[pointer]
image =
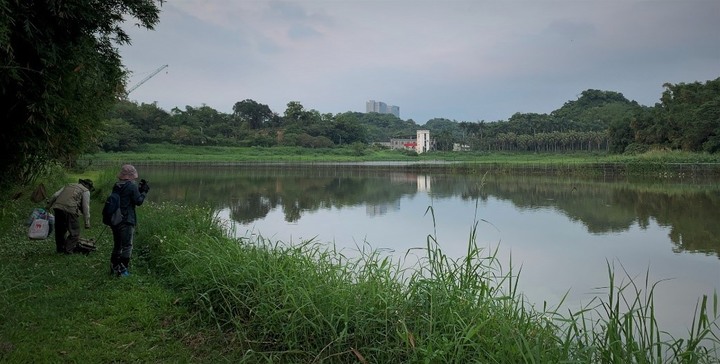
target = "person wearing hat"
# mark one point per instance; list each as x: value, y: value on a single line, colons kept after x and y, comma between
x: 131, y: 194
x: 68, y: 203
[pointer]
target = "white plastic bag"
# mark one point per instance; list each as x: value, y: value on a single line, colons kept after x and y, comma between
x: 39, y: 229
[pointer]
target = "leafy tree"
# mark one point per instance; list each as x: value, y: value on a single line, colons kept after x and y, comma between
x: 255, y: 114
x: 60, y: 73
x: 691, y: 111
x: 202, y: 122
x: 532, y: 123
x: 295, y: 114
x: 120, y: 136
x: 687, y: 118
x: 472, y: 132
x: 347, y: 129
x: 709, y: 113
x: 444, y: 140
x: 146, y: 118
x: 438, y: 125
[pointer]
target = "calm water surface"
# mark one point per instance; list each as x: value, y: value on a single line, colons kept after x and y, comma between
x: 563, y: 232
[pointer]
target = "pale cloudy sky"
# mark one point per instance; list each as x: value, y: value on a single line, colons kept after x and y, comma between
x: 464, y: 60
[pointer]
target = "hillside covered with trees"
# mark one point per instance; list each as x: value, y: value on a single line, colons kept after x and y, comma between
x: 686, y: 118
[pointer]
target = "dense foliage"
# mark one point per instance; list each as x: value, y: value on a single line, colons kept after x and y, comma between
x: 687, y: 118
x: 60, y: 73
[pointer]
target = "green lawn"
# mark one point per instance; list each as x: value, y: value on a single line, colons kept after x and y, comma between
x: 292, y: 154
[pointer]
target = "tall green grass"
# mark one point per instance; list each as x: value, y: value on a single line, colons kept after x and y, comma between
x: 620, y: 326
x: 306, y: 302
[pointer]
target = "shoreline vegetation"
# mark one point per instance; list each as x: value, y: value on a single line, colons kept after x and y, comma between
x: 658, y: 162
x: 198, y: 295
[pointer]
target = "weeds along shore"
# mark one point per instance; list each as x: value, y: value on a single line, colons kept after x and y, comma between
x: 198, y: 295
x: 308, y: 303
x: 658, y: 163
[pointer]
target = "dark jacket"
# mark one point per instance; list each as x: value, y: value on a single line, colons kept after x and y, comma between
x: 130, y: 197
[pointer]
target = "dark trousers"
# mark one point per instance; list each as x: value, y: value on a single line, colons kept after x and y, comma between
x: 67, y: 231
x: 123, y: 235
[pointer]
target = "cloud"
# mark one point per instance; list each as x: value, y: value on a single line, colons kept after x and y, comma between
x: 463, y: 60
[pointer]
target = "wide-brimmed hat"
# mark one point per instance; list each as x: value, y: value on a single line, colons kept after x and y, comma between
x: 127, y: 172
x: 87, y: 183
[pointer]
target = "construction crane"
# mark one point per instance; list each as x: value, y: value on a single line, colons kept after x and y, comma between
x: 131, y: 89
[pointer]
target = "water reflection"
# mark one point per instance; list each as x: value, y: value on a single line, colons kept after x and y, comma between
x: 688, y: 208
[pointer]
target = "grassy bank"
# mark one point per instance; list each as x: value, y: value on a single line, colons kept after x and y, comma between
x: 179, y: 153
x: 196, y: 295
x: 57, y: 308
x: 657, y: 163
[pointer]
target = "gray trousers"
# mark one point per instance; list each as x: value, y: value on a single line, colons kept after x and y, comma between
x: 123, y: 235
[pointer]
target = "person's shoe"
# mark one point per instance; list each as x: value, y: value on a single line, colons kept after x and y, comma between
x: 121, y: 270
x: 117, y: 270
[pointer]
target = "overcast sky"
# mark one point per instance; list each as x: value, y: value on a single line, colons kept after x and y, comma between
x: 461, y: 60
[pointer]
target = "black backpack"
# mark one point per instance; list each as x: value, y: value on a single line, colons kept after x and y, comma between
x: 112, y: 213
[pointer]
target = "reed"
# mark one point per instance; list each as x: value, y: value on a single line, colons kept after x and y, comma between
x: 620, y: 326
x: 306, y: 302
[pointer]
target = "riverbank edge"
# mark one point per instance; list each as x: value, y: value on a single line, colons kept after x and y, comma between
x: 115, y: 310
x: 686, y: 165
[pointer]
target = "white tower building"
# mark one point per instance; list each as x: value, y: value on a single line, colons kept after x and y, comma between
x: 423, y: 141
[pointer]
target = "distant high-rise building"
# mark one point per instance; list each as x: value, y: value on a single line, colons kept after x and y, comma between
x: 382, y: 108
x: 370, y: 106
x: 395, y: 110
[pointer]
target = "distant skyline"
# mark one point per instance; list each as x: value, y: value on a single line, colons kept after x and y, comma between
x: 460, y: 60
x: 382, y: 108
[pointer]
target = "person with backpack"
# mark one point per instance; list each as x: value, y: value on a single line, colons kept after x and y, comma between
x: 130, y: 194
x: 68, y: 203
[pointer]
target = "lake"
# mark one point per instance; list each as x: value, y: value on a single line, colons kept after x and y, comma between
x: 562, y: 231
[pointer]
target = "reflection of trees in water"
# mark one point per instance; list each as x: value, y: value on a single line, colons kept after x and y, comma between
x: 601, y: 206
x: 250, y: 196
x: 251, y: 208
x: 591, y: 204
x: 692, y: 219
x: 615, y: 207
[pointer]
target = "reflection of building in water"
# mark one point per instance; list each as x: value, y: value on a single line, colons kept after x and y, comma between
x: 398, y: 178
x: 382, y: 209
x: 423, y: 183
